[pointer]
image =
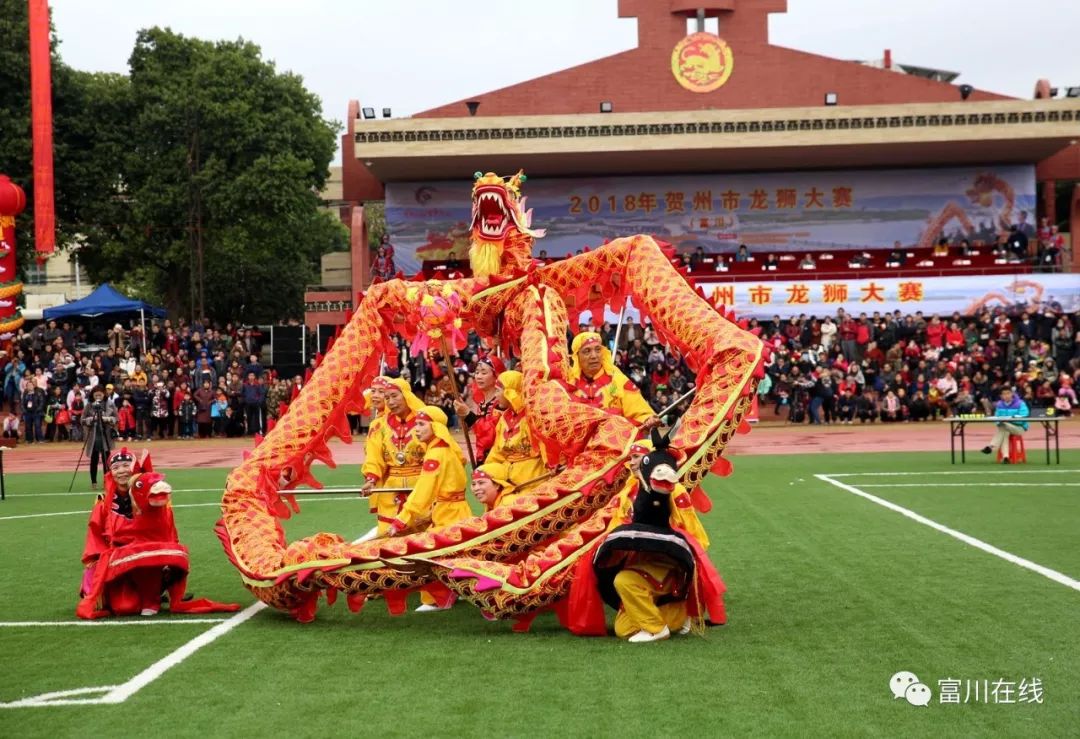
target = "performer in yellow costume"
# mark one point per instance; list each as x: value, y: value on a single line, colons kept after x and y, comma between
x: 392, y: 454
x: 440, y: 489
x: 491, y: 485
x: 513, y: 441
x: 653, y: 562
x: 599, y: 383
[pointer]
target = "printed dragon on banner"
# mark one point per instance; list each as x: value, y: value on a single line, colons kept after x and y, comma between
x: 514, y: 560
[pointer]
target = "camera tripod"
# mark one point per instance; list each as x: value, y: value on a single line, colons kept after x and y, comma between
x: 99, y: 429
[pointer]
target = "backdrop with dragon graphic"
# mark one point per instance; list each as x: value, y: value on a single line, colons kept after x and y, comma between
x: 514, y: 560
x: 786, y: 211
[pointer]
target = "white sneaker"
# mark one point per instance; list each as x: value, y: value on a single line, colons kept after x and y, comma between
x: 644, y: 636
x: 149, y: 612
x: 430, y: 608
x: 685, y: 627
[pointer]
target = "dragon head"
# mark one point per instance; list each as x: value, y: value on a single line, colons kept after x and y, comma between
x: 502, y: 232
x: 149, y: 490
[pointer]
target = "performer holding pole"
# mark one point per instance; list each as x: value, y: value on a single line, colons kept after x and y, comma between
x: 483, y: 418
x: 457, y: 397
x: 392, y: 454
x: 514, y: 444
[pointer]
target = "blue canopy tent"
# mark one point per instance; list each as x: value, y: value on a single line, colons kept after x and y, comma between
x: 103, y: 301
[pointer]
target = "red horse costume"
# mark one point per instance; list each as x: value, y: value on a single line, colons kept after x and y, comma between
x: 133, y: 555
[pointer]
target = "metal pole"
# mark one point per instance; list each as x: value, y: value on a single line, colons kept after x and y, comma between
x: 457, y: 394
x: 700, y: 19
x: 618, y: 329
x: 78, y: 285
x: 142, y: 325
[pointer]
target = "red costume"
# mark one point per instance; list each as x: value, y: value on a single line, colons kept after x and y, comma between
x: 133, y: 554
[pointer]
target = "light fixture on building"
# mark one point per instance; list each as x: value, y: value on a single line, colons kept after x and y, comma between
x: 369, y: 113
x: 1072, y: 92
x: 831, y: 98
x: 965, y: 91
x: 385, y: 112
x: 606, y: 106
x: 472, y: 105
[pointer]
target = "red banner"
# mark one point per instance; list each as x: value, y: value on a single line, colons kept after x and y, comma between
x: 41, y: 116
x: 12, y: 202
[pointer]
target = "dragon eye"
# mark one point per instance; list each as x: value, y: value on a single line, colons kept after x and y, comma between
x: 477, y: 175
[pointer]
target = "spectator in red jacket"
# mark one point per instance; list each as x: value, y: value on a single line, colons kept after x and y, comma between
x: 935, y: 333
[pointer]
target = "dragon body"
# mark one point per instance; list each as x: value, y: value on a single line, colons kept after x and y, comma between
x: 514, y: 560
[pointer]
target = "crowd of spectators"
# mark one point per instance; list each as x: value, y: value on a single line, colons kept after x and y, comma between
x: 190, y: 380
x: 201, y: 380
x: 893, y: 367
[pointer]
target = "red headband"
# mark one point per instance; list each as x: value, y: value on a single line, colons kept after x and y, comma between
x: 496, y: 364
x: 481, y: 475
x: 590, y: 341
x: 638, y: 449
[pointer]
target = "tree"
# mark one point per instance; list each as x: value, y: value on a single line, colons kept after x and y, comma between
x: 224, y: 159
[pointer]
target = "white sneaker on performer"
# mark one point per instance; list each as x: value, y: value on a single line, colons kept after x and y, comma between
x: 149, y: 612
x: 644, y: 636
x: 685, y: 627
x: 431, y: 608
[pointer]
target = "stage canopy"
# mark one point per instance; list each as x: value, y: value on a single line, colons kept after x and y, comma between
x: 103, y: 301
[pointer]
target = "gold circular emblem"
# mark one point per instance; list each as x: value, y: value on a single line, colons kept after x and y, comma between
x: 702, y: 62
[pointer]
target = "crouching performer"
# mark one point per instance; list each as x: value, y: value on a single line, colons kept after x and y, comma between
x: 652, y: 567
x: 133, y: 556
x: 438, y: 497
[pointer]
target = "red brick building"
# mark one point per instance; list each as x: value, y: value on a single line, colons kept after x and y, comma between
x: 741, y: 105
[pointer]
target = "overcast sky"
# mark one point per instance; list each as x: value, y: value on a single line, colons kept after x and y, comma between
x: 411, y: 55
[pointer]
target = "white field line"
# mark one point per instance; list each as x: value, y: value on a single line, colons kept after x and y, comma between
x: 181, y: 505
x: 106, y: 622
x: 979, y: 472
x: 969, y: 540
x: 115, y: 694
x: 120, y: 693
x: 972, y: 485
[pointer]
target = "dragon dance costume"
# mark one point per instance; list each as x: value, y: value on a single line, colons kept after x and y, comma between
x: 522, y: 557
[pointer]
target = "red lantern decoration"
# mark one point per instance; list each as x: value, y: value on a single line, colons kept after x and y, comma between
x: 12, y: 203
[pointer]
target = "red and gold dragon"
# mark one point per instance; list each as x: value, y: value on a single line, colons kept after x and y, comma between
x: 515, y: 560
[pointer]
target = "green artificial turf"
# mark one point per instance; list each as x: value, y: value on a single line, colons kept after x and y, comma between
x: 829, y: 595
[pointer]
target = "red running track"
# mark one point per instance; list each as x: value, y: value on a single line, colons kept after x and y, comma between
x: 769, y: 438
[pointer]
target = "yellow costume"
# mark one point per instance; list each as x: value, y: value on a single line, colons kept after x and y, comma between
x: 513, y: 445
x: 647, y: 576
x: 392, y: 455
x: 498, y: 473
x: 609, y: 389
x: 440, y: 489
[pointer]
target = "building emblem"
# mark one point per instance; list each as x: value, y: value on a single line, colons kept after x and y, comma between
x: 702, y: 62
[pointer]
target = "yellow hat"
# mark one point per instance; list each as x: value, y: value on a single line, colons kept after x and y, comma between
x: 437, y: 418
x: 497, y: 472
x: 396, y: 383
x: 589, y: 338
x: 511, y: 382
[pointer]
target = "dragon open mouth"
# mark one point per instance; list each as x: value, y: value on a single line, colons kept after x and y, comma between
x: 492, y: 216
